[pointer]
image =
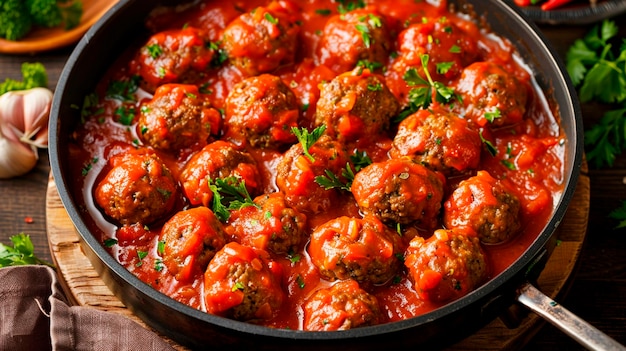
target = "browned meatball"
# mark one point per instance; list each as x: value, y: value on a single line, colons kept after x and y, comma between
x: 449, y: 46
x: 353, y: 248
x: 263, y: 39
x: 343, y: 306
x: 491, y: 95
x: 241, y: 283
x: 262, y: 110
x: 271, y: 225
x: 445, y: 266
x: 440, y: 140
x: 138, y: 188
x: 295, y: 174
x: 177, y: 117
x: 172, y: 56
x: 220, y: 159
x: 354, y: 36
x: 400, y: 191
x: 355, y: 104
x: 189, y: 240
x: 483, y: 204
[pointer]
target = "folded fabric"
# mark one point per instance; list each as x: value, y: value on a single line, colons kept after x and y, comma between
x: 35, y: 315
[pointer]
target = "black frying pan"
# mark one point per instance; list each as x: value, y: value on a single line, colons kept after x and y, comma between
x: 123, y: 25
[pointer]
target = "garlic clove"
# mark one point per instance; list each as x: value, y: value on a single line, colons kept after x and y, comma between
x: 16, y: 158
x: 37, y: 103
x: 11, y: 114
x: 26, y: 111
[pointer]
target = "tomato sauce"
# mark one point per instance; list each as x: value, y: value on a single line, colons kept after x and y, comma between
x: 524, y: 153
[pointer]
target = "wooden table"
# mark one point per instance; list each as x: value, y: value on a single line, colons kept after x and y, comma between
x: 598, y: 289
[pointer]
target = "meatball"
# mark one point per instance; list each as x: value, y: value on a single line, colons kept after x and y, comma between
x: 440, y: 140
x: 138, y: 188
x: 359, y: 35
x: 445, y: 266
x: 352, y: 248
x: 491, y: 95
x: 177, y: 117
x: 485, y: 205
x: 218, y: 160
x: 263, y: 39
x: 190, y: 239
x: 449, y: 46
x: 400, y: 191
x: 343, y: 306
x: 173, y: 56
x: 241, y: 283
x: 270, y: 225
x: 296, y: 173
x: 262, y: 110
x: 355, y: 104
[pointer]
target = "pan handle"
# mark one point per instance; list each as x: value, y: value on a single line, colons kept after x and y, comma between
x: 572, y: 325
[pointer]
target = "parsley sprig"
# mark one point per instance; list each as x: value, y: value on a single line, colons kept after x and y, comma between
x: 307, y: 139
x: 421, y: 95
x: 229, y: 194
x: 599, y: 71
x: 21, y: 253
x: 620, y: 215
x: 330, y: 180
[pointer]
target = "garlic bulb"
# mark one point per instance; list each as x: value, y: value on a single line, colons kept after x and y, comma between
x: 23, y: 128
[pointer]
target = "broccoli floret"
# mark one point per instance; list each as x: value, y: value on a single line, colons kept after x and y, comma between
x: 44, y: 13
x: 18, y: 16
x: 71, y: 11
x: 15, y: 21
x: 33, y: 75
x: 51, y: 13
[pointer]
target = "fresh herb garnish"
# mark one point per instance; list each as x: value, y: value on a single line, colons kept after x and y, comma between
x: 229, y: 194
x: 21, y: 253
x: 307, y: 139
x: 347, y: 6
x: 421, y: 96
x: 123, y: 90
x: 154, y: 50
x: 600, y: 73
x: 330, y: 180
x: 493, y: 115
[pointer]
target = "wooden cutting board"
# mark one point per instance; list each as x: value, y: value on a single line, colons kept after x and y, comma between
x: 84, y: 287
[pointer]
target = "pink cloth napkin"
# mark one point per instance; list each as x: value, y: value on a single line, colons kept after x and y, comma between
x: 35, y: 315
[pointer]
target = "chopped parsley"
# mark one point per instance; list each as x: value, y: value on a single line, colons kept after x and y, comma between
x: 307, y: 139
x: 229, y: 194
x: 271, y: 19
x: 490, y: 147
x: 125, y: 114
x: 347, y: 5
x: 123, y: 90
x: 491, y: 116
x: 154, y: 50
x: 332, y: 181
x: 110, y: 242
x: 421, y: 95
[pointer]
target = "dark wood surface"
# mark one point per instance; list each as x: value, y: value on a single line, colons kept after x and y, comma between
x: 598, y: 289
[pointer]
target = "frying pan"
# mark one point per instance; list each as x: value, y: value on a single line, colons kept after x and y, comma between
x: 123, y: 25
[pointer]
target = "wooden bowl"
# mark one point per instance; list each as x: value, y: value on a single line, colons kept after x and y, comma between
x: 43, y: 39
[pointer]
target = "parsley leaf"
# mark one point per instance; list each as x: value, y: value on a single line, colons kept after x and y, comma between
x: 421, y: 96
x: 605, y: 140
x: 22, y: 252
x: 229, y: 194
x: 329, y: 181
x: 599, y: 71
x: 620, y: 215
x: 307, y: 139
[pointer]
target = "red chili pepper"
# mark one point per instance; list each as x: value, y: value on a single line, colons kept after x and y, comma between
x: 522, y: 2
x: 552, y: 4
